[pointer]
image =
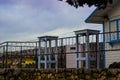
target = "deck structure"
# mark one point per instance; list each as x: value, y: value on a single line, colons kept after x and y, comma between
x: 86, y: 33
x: 45, y: 47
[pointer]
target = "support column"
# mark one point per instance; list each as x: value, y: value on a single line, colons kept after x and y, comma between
x: 39, y: 52
x: 77, y: 53
x: 97, y: 51
x: 56, y: 54
x: 45, y: 54
x: 21, y: 57
x: 87, y: 52
x: 86, y: 33
x: 61, y: 55
x: 36, y: 57
x: 47, y: 40
x: 49, y: 56
x: 6, y: 55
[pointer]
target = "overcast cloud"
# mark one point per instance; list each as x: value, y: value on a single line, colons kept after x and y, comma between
x: 28, y: 19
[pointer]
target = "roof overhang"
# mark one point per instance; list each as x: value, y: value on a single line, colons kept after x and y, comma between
x: 86, y: 31
x: 97, y: 16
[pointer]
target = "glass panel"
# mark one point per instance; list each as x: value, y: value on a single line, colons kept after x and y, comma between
x: 113, y: 30
x: 119, y: 28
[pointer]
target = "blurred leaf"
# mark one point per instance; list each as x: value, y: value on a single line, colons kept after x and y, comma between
x: 80, y: 3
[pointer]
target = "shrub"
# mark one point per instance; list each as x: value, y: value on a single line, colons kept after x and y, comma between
x: 115, y: 65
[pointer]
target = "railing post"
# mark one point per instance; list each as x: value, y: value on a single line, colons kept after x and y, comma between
x: 6, y: 55
x: 97, y: 51
x: 61, y: 54
x: 39, y: 54
x: 87, y: 50
x: 49, y: 55
x: 45, y: 55
x: 56, y: 53
x: 36, y: 51
x: 77, y: 51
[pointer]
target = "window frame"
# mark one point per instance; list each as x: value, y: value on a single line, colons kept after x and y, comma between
x: 117, y: 32
x: 117, y: 29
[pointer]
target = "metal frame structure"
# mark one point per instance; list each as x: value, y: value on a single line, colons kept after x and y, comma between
x: 15, y: 52
x: 87, y: 58
x: 53, y: 46
x: 47, y: 52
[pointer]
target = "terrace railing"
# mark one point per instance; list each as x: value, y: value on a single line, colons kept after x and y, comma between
x: 23, y: 54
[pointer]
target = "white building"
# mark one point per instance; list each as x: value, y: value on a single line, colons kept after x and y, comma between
x: 110, y: 18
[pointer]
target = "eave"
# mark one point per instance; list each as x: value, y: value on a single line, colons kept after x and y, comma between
x: 97, y: 16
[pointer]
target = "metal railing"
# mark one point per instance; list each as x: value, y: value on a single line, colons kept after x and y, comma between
x: 24, y: 54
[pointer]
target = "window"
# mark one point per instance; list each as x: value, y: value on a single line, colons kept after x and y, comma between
x: 114, y: 29
x: 119, y: 27
x: 72, y: 48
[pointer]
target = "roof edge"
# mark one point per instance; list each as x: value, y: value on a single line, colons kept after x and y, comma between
x: 86, y: 20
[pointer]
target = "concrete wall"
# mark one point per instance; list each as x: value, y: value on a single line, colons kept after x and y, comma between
x: 71, y: 56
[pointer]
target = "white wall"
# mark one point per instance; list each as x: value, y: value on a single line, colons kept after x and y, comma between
x: 71, y: 57
x: 112, y: 56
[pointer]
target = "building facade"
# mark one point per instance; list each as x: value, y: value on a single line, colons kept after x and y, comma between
x: 110, y: 19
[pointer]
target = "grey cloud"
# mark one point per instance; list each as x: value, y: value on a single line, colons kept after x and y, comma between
x: 24, y: 17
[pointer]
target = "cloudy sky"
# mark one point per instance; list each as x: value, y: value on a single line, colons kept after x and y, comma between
x: 28, y: 19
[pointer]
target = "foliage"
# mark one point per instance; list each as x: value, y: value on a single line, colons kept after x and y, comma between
x: 115, y: 65
x: 30, y: 65
x: 59, y: 74
x: 80, y: 3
